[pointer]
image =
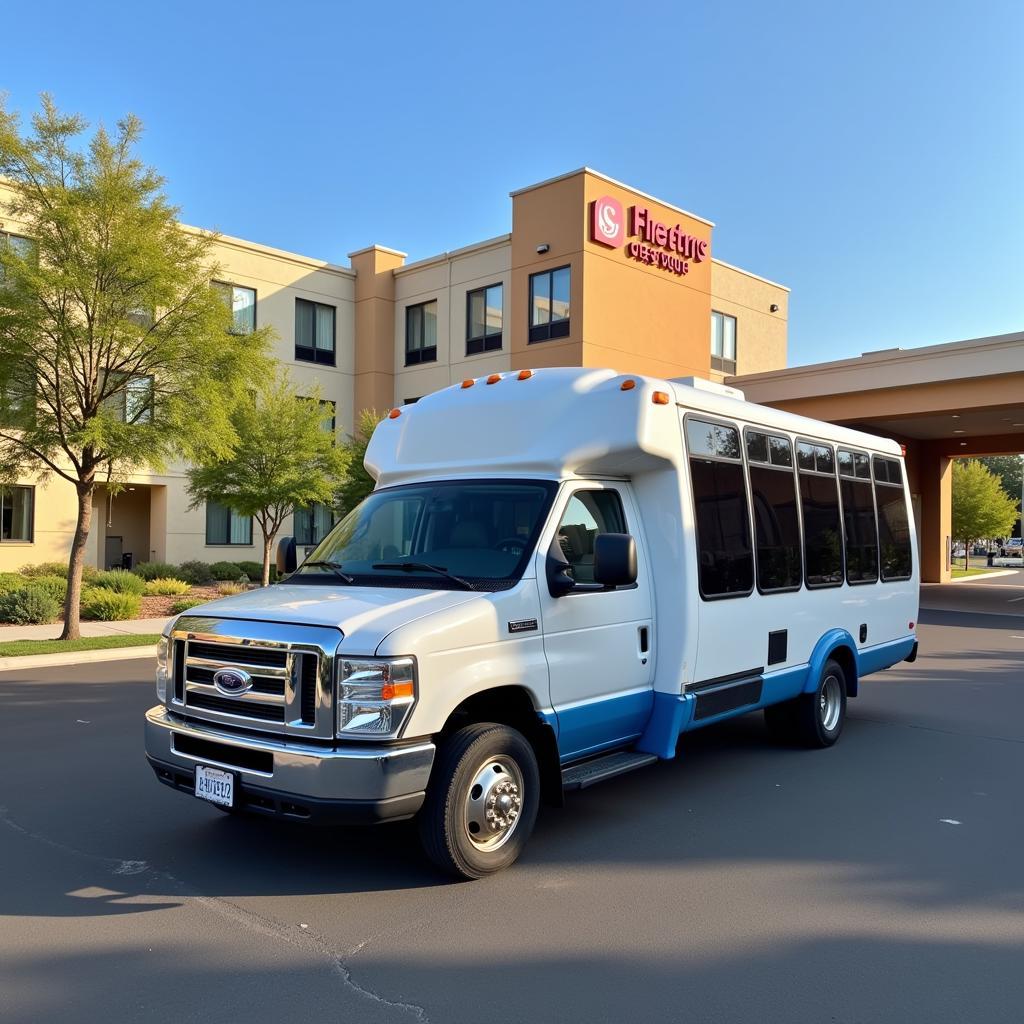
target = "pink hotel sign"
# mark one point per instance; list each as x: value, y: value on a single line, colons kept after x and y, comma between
x: 657, y: 244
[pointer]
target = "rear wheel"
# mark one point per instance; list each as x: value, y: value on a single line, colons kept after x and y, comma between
x: 482, y: 801
x: 813, y: 719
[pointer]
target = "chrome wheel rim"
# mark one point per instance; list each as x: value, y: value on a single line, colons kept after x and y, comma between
x: 830, y: 703
x: 494, y: 803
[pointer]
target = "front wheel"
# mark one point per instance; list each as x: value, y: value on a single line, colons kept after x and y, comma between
x: 482, y: 801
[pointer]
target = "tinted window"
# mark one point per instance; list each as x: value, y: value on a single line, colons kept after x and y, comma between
x: 893, y: 523
x: 776, y: 528
x: 588, y: 514
x: 720, y: 503
x: 819, y: 502
x: 860, y: 531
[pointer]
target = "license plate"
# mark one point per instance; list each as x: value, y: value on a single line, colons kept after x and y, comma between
x: 214, y: 785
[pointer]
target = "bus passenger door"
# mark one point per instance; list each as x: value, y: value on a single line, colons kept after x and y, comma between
x: 598, y: 642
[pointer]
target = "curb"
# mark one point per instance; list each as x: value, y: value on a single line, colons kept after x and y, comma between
x: 986, y: 576
x: 76, y: 658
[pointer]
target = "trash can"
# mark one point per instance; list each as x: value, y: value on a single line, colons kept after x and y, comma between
x: 127, y: 561
x: 991, y: 557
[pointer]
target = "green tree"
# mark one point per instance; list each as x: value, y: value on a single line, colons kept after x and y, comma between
x: 284, y: 459
x: 357, y: 483
x: 1010, y: 470
x: 981, y: 508
x: 115, y: 353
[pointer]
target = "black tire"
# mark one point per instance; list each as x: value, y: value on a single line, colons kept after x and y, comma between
x: 819, y: 716
x: 494, y: 753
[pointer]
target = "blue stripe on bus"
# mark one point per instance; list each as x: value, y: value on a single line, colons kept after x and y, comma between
x: 605, y: 722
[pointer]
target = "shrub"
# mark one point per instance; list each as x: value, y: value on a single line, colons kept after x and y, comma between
x: 164, y: 586
x: 29, y: 606
x: 185, y: 603
x: 11, y: 581
x: 121, y: 582
x: 225, y: 571
x: 109, y: 605
x: 155, y: 571
x: 227, y: 589
x: 194, y: 572
x: 55, y: 586
x: 254, y: 570
x: 89, y: 572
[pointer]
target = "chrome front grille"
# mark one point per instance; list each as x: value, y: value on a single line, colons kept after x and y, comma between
x: 290, y: 688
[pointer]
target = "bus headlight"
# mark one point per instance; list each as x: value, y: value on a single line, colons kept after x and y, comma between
x: 162, y: 669
x: 375, y: 695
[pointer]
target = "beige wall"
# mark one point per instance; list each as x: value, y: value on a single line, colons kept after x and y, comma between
x: 760, y: 333
x: 447, y: 279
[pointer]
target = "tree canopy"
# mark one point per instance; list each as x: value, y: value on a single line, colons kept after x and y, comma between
x: 1009, y: 469
x: 981, y: 508
x: 285, y: 457
x: 115, y: 352
x: 357, y: 483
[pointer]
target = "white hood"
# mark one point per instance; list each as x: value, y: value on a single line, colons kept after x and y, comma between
x: 366, y: 615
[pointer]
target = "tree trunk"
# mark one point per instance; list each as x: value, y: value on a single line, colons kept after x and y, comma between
x: 77, y: 560
x: 268, y: 543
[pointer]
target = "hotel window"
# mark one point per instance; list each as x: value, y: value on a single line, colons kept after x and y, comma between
x: 314, y: 332
x: 723, y: 342
x: 242, y: 303
x: 483, y: 320
x: 312, y: 524
x: 225, y: 526
x: 421, y: 333
x: 23, y: 247
x: 549, y: 304
x: 17, y: 513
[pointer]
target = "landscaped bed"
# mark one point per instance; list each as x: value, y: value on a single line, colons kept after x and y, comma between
x: 22, y: 648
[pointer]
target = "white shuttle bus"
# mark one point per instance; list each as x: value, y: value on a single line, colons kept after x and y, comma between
x: 559, y: 574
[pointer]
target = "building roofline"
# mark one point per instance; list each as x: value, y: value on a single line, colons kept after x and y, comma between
x: 443, y: 257
x: 378, y: 248
x: 888, y: 357
x: 756, y: 277
x: 268, y: 250
x: 611, y: 181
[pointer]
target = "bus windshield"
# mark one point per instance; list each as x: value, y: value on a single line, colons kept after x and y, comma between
x: 439, y: 535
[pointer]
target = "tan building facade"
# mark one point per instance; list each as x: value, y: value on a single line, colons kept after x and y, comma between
x: 592, y: 273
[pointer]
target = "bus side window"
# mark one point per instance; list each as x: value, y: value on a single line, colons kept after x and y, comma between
x: 858, y: 517
x: 776, y: 520
x: 896, y: 552
x: 819, y: 502
x: 724, y: 551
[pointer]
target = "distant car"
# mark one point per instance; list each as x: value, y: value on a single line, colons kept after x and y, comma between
x: 1011, y: 548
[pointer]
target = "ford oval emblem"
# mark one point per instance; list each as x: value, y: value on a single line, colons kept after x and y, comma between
x: 232, y: 681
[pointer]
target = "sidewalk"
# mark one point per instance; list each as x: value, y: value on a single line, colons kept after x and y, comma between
x: 51, y: 630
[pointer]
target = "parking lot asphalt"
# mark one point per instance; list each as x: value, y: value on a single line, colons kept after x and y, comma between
x: 876, y: 881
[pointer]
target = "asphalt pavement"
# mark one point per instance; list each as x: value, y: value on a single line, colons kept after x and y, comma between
x: 876, y: 881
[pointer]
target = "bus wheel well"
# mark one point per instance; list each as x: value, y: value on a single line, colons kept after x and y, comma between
x: 848, y: 663
x: 513, y: 706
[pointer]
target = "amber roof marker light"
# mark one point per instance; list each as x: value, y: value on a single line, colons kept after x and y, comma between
x: 494, y: 378
x: 394, y: 414
x: 660, y: 398
x: 525, y: 374
x: 468, y: 382
x: 627, y: 385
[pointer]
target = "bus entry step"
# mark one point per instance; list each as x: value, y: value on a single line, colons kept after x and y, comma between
x: 580, y: 776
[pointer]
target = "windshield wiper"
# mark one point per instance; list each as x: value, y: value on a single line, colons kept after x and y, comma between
x: 424, y: 567
x: 335, y: 567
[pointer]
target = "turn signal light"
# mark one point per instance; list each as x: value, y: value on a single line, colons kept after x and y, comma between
x: 494, y: 378
x: 394, y: 414
x: 659, y: 398
x: 468, y: 382
x: 389, y: 691
x: 525, y: 374
x: 627, y: 385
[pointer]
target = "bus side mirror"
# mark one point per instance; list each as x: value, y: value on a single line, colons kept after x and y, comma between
x: 558, y: 570
x: 614, y: 559
x: 286, y: 559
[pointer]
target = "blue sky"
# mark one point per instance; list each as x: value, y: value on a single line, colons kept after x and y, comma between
x: 869, y: 155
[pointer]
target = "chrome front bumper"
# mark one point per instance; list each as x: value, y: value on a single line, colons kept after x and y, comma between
x: 291, y: 779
